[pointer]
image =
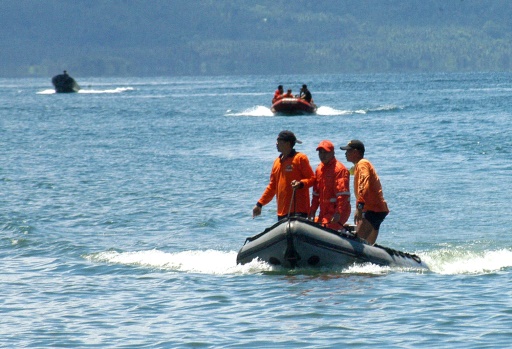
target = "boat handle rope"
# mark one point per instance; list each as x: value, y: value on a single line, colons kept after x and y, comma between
x: 392, y: 252
x: 290, y: 210
x: 292, y: 201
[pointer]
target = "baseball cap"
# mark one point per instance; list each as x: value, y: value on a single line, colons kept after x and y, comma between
x: 325, y: 145
x: 288, y: 136
x: 354, y: 144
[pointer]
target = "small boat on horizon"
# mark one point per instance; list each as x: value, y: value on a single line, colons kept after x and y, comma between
x: 296, y: 242
x: 293, y: 106
x: 64, y: 83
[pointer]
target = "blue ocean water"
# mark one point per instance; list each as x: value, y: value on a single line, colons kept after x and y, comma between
x: 123, y: 207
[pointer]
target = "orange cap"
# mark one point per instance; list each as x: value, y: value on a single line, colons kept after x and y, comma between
x: 325, y: 145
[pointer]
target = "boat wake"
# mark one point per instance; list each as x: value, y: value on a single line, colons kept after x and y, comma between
x: 115, y: 90
x: 91, y: 91
x: 260, y: 111
x: 459, y: 261
x: 202, y: 262
x: 328, y: 111
x: 445, y: 261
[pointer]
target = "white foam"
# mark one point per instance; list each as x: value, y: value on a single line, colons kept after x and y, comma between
x: 92, y: 91
x: 328, y: 111
x: 445, y: 261
x: 258, y: 110
x: 205, y: 262
x: 460, y: 261
x: 46, y: 92
x: 114, y: 90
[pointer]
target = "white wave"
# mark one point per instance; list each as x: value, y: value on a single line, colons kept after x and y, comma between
x: 457, y: 261
x: 83, y: 91
x: 368, y: 268
x: 389, y: 107
x: 115, y: 90
x: 203, y: 262
x: 328, y: 111
x: 208, y: 262
x: 445, y: 261
x: 46, y: 92
x: 258, y: 110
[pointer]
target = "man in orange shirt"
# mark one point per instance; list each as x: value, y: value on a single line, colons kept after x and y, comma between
x: 331, y: 191
x: 291, y: 173
x: 288, y: 94
x: 371, y: 208
x: 278, y: 94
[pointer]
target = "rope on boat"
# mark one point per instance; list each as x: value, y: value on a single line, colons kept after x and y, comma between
x: 291, y: 254
x: 392, y: 252
x: 292, y: 201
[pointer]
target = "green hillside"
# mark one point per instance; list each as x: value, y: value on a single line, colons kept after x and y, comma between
x: 180, y: 37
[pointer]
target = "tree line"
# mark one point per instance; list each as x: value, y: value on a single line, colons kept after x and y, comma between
x: 208, y: 37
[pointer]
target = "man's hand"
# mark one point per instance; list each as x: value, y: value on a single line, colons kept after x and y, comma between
x: 256, y: 211
x: 358, y: 216
x: 297, y: 184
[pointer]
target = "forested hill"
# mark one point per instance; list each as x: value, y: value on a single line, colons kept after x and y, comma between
x: 210, y: 37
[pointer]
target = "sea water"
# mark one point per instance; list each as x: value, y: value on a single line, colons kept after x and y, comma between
x: 123, y: 206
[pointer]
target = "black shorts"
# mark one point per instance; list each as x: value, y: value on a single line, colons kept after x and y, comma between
x: 375, y: 218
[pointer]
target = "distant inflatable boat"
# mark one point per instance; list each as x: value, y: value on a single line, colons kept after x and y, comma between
x: 293, y: 106
x: 64, y: 83
x: 298, y: 242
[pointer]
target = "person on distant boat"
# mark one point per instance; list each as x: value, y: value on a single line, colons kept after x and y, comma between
x: 331, y: 191
x: 305, y: 94
x: 278, y: 94
x: 290, y: 180
x: 288, y: 94
x: 371, y: 208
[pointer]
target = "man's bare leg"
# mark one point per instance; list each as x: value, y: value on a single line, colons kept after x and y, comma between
x: 366, y: 231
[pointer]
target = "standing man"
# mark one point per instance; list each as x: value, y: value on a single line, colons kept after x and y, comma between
x: 290, y: 173
x: 331, y: 190
x: 371, y: 208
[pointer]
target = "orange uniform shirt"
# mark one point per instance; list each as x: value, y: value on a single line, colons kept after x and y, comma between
x: 277, y: 96
x: 331, y: 192
x: 367, y: 187
x: 294, y: 167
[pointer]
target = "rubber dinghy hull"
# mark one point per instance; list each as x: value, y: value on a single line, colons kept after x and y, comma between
x: 293, y: 106
x: 298, y: 242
